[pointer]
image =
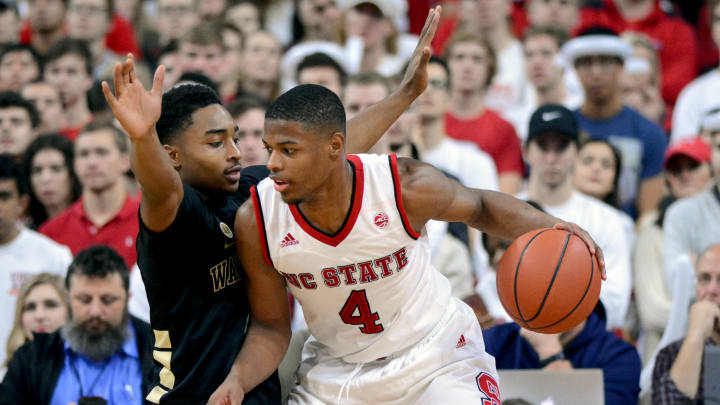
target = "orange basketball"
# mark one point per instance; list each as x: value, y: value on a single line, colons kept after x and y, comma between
x: 547, y: 281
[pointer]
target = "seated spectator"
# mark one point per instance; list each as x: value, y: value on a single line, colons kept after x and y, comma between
x: 598, y: 55
x: 68, y: 66
x: 364, y: 90
x: 249, y: 115
x: 48, y: 103
x: 551, y: 151
x: 41, y: 307
x: 9, y: 23
x: 106, y: 212
x: 19, y: 65
x: 641, y: 79
x: 587, y: 345
x: 100, y: 352
x: 23, y: 253
x: 561, y: 14
x: 201, y: 51
x: 173, y: 19
x: 473, y: 64
x: 243, y: 15
x: 45, y: 24
x: 321, y: 69
x: 319, y: 20
x: 675, y: 39
x: 261, y: 75
x: 18, y: 123
x: 49, y: 172
x: 687, y: 167
x: 678, y: 373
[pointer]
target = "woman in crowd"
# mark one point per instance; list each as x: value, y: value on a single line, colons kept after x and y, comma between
x: 42, y: 307
x: 261, y: 76
x: 53, y: 185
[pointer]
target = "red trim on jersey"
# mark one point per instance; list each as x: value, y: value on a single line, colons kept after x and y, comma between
x: 355, y: 205
x: 260, y: 225
x: 398, y: 198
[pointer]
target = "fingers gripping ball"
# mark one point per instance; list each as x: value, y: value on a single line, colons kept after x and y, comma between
x: 547, y: 281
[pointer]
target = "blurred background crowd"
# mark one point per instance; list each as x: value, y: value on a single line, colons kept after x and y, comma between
x: 601, y: 112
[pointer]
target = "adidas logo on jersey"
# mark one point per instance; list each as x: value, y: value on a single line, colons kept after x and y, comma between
x: 289, y: 241
x: 461, y: 342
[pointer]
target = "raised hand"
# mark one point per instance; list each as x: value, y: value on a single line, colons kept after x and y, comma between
x: 135, y: 108
x: 415, y: 79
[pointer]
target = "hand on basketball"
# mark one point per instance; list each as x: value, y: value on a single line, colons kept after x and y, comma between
x: 230, y: 392
x: 136, y: 108
x: 544, y: 344
x: 415, y: 79
x: 594, y: 248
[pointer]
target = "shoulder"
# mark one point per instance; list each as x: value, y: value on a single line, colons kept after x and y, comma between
x: 666, y: 356
x: 699, y: 85
x: 685, y: 208
x: 44, y: 243
x: 645, y: 124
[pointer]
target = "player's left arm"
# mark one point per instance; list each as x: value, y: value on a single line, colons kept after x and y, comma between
x: 369, y: 126
x: 268, y: 334
x: 428, y: 194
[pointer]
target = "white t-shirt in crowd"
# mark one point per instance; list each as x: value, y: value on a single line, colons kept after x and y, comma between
x: 30, y: 253
x: 607, y: 227
x: 465, y: 161
x: 508, y: 86
x: 695, y: 100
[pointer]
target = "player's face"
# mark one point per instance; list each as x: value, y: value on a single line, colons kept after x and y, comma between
x: 17, y: 69
x: 88, y: 19
x: 46, y: 99
x: 251, y: 126
x: 599, y: 76
x: 16, y: 131
x: 707, y: 274
x: 687, y: 176
x: 68, y: 74
x: 43, y: 310
x: 299, y: 161
x: 209, y: 158
x: 595, y: 170
x: 551, y: 157
x: 11, y: 208
x: 554, y: 13
x: 97, y: 303
x: 322, y: 76
x: 99, y: 163
x: 432, y: 103
x: 468, y: 63
x: 50, y: 178
x: 541, y: 52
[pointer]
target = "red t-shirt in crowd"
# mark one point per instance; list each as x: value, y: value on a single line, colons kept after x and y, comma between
x: 493, y: 135
x: 676, y: 41
x: 73, y: 229
x: 120, y: 39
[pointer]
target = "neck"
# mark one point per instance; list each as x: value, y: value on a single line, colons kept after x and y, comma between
x: 632, y: 10
x: 42, y: 41
x: 330, y: 204
x: 467, y: 103
x: 371, y: 58
x: 602, y: 109
x: 103, y: 205
x: 11, y: 235
x: 261, y: 88
x: 432, y: 132
x: 554, y: 94
x: 548, y: 195
x: 53, y: 210
x: 78, y: 114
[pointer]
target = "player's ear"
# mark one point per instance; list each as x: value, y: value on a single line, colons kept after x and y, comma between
x: 336, y: 146
x: 174, y: 154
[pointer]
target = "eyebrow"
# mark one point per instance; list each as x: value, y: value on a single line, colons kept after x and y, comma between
x: 219, y: 131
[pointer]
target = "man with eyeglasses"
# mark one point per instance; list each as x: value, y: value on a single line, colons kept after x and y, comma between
x: 598, y: 55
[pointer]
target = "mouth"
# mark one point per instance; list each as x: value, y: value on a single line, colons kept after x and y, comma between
x: 233, y: 173
x: 280, y: 185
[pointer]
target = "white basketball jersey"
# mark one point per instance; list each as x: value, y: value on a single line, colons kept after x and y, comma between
x: 369, y: 290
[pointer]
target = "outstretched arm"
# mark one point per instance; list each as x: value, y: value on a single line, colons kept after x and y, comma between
x: 138, y: 110
x: 268, y: 335
x: 370, y: 125
x: 429, y: 194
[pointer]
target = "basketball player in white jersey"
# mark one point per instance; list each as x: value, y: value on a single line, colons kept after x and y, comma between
x: 346, y: 235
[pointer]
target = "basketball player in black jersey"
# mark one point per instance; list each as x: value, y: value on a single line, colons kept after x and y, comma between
x: 202, y: 309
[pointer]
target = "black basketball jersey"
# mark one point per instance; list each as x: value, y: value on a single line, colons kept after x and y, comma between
x: 198, y: 302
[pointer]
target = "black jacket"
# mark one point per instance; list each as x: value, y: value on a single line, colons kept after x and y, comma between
x: 35, y: 368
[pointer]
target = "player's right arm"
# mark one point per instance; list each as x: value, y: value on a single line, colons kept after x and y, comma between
x: 138, y: 110
x: 268, y: 335
x: 428, y: 194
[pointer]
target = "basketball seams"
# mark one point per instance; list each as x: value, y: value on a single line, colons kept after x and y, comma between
x: 552, y: 281
x: 517, y: 270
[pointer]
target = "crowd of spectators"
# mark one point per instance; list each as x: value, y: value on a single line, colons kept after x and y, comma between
x: 605, y: 113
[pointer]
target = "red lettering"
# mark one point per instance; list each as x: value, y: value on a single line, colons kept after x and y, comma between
x: 347, y: 271
x: 307, y: 281
x: 367, y: 274
x: 291, y: 278
x: 330, y: 277
x: 384, y: 263
x: 400, y: 258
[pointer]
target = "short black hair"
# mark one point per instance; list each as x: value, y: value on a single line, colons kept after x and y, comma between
x: 9, y: 170
x: 98, y: 261
x: 9, y: 99
x: 320, y: 59
x: 199, y: 78
x: 69, y: 46
x: 310, y: 105
x: 178, y: 106
x: 245, y: 103
x: 24, y: 48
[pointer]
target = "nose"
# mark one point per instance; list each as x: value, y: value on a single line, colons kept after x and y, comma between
x: 274, y: 163
x: 232, y: 152
x: 95, y: 308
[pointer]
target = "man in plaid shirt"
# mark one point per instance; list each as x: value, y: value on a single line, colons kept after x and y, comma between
x: 678, y: 373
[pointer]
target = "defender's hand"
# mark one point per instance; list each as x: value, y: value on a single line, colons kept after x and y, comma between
x: 136, y: 108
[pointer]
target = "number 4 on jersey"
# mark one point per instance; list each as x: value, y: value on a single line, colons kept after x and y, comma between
x: 358, y: 301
